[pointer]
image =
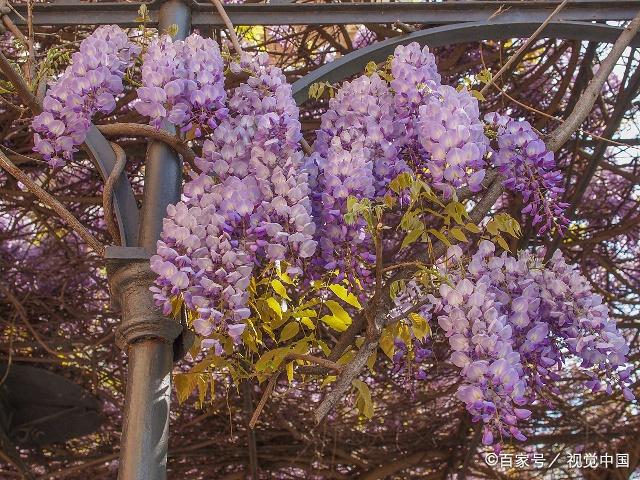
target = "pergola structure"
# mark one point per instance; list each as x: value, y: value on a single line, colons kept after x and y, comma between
x: 419, y: 434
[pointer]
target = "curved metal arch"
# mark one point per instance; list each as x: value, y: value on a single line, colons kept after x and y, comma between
x: 354, y: 62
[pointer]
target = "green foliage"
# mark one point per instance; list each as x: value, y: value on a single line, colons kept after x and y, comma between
x: 317, y: 89
x: 503, y: 223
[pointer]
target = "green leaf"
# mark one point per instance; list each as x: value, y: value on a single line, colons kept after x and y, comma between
x: 412, y: 236
x: 279, y: 288
x: 343, y: 294
x: 458, y: 234
x: 364, y: 403
x: 290, y: 371
x: 440, y: 236
x: 289, y: 331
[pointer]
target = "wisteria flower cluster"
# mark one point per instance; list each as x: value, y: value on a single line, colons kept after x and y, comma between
x: 250, y: 206
x: 183, y: 82
x: 510, y: 321
x: 375, y: 129
x: 89, y: 85
x: 530, y: 170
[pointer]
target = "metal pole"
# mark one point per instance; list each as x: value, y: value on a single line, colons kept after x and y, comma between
x: 145, y: 434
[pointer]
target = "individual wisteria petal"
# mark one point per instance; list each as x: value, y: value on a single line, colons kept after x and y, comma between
x: 249, y: 207
x: 183, y: 82
x: 89, y: 85
x: 529, y: 170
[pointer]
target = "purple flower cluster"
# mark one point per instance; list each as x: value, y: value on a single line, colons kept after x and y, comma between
x: 415, y: 78
x: 452, y: 136
x: 354, y: 157
x: 530, y: 170
x: 183, y: 82
x: 89, y: 85
x: 510, y: 320
x: 374, y: 130
x: 250, y: 206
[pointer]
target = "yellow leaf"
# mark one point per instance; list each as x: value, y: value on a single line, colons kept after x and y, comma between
x: 501, y: 241
x: 387, y: 342
x: 306, y: 321
x: 338, y: 311
x: 328, y: 379
x: 458, y: 234
x: 184, y: 383
x: 440, y: 236
x: 371, y: 361
x: 279, y: 288
x: 334, y: 322
x: 343, y: 294
x: 203, y: 386
x: 472, y: 227
x: 290, y: 371
x: 363, y: 401
x: 492, y: 227
x: 419, y: 325
x: 275, y: 306
x: 289, y: 331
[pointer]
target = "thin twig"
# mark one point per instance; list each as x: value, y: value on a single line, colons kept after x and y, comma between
x: 52, y: 203
x: 561, y: 120
x: 229, y: 25
x: 323, y: 362
x: 523, y: 47
x: 590, y: 95
x: 139, y: 130
x: 25, y: 319
x: 20, y: 85
x: 13, y: 28
x: 30, y: 66
x: 263, y: 400
x: 107, y: 192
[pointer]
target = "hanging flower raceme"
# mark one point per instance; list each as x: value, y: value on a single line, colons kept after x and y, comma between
x: 248, y: 208
x: 452, y: 135
x: 183, y: 82
x: 379, y: 126
x: 89, y: 85
x: 510, y: 320
x: 356, y: 135
x: 530, y: 170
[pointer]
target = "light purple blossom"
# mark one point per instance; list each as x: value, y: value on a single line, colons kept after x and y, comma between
x: 89, y: 85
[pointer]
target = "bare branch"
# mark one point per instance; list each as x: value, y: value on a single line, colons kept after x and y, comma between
x: 52, y: 203
x: 590, y: 95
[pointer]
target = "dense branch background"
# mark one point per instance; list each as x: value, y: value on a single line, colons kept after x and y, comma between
x: 55, y: 313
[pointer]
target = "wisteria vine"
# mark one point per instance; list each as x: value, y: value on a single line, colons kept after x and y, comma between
x: 512, y: 322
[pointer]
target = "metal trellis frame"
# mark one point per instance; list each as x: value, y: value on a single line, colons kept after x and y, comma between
x: 75, y: 12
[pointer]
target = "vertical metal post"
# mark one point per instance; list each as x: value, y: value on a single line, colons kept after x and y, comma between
x: 144, y: 442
